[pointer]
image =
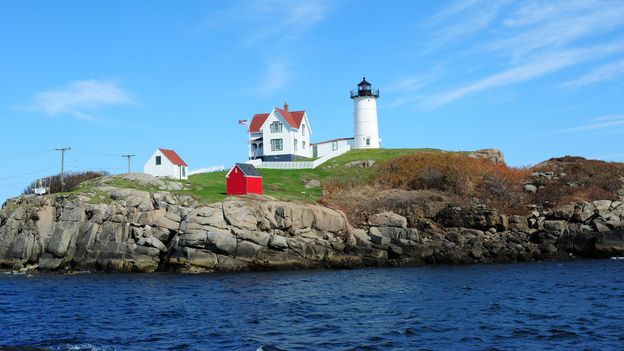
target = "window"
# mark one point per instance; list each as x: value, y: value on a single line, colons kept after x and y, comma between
x: 255, y: 146
x: 367, y: 141
x: 303, y: 145
x: 277, y: 145
x: 276, y: 127
x: 184, y: 171
x: 158, y: 161
x: 303, y: 129
x: 295, y: 144
x: 334, y: 145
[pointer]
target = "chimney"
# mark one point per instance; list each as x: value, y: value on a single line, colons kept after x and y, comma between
x: 286, y: 106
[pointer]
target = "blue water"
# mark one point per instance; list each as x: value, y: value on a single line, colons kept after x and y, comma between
x: 555, y: 306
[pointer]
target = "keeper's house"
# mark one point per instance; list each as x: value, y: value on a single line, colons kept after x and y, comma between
x: 243, y: 179
x: 281, y: 135
x: 166, y: 163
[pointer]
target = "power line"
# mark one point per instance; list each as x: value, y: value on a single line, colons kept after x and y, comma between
x: 10, y: 184
x: 9, y: 156
x: 95, y: 168
x: 29, y: 173
x: 96, y: 153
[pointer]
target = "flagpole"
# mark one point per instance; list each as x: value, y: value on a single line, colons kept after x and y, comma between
x: 243, y: 122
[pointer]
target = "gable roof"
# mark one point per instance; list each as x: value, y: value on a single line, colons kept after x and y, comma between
x: 173, y: 157
x: 293, y: 118
x: 257, y: 121
x: 247, y: 169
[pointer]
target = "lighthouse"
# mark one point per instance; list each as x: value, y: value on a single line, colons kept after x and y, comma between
x: 366, y: 135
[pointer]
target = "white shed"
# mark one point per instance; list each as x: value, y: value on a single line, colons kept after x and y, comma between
x: 326, y: 147
x: 166, y: 163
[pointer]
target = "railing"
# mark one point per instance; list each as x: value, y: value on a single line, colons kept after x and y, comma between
x: 373, y: 92
x: 218, y: 168
x: 299, y: 165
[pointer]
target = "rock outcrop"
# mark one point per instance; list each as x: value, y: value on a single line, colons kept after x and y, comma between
x: 130, y: 230
x: 494, y: 155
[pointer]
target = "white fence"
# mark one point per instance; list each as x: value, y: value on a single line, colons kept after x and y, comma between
x: 207, y: 170
x: 299, y: 165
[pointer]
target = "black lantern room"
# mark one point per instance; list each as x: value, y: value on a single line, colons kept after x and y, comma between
x: 364, y: 89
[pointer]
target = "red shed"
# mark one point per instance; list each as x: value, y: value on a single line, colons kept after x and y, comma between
x: 243, y: 179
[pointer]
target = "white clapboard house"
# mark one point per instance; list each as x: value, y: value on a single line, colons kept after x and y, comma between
x: 166, y: 163
x: 281, y: 135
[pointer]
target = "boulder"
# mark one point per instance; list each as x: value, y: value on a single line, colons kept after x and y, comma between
x: 278, y: 242
x: 361, y: 236
x: 260, y: 238
x: 555, y: 226
x: 313, y: 183
x: 199, y: 257
x: 493, y: 155
x: 387, y: 219
x: 360, y: 164
x: 63, y: 235
x: 377, y: 237
x: 241, y: 214
x: 602, y: 206
x: 530, y: 188
x: 328, y: 220
x: 208, y: 215
x: 563, y: 212
x: 153, y: 242
x: 158, y: 218
x: 133, y: 198
x: 221, y: 241
x: 247, y: 251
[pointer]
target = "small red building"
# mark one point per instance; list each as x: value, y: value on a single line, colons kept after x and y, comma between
x: 243, y: 179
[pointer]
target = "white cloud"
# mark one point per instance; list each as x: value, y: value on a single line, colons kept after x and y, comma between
x: 531, y: 39
x: 265, y: 20
x: 599, y: 74
x: 79, y: 99
x: 599, y: 123
x: 553, y: 26
x: 473, y: 16
x: 536, y: 68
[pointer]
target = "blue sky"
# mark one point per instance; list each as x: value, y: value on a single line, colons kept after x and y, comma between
x: 537, y: 79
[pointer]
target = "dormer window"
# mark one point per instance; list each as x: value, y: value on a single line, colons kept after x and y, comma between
x: 276, y: 127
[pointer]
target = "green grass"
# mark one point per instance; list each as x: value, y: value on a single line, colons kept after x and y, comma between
x: 290, y: 184
x: 281, y: 184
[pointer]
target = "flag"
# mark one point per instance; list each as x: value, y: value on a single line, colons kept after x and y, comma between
x: 242, y: 122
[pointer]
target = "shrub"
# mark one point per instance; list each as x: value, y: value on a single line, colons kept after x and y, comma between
x: 72, y: 181
x: 459, y: 175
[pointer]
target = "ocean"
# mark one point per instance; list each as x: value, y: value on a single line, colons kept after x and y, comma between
x: 575, y: 305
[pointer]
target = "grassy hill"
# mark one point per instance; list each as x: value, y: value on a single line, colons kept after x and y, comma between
x: 290, y: 184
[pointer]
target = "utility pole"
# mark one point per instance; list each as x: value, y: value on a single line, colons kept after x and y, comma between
x: 128, y: 157
x: 62, y: 150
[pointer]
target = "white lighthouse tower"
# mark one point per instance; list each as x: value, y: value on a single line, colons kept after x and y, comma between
x: 366, y: 134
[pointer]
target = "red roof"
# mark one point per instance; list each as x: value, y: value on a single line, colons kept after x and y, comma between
x: 173, y: 157
x: 257, y: 121
x: 293, y: 118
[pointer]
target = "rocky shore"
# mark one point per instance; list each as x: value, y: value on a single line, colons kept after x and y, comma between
x: 127, y: 230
